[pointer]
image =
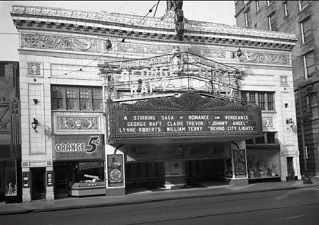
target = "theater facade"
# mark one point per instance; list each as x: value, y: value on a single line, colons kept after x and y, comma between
x: 109, y: 101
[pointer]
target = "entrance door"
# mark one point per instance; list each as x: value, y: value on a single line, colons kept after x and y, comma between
x: 205, y: 170
x: 290, y: 169
x: 38, y: 183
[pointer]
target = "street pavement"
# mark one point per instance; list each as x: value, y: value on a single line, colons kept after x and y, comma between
x: 142, y: 195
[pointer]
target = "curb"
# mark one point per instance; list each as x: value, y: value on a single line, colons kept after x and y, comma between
x: 155, y: 199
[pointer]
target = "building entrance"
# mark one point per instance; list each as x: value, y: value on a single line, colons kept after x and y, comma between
x: 149, y: 174
x: 290, y: 169
x: 205, y: 170
x: 38, y: 183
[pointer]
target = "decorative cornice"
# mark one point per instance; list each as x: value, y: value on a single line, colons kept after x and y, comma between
x: 71, y: 43
x: 168, y: 37
x: 120, y: 25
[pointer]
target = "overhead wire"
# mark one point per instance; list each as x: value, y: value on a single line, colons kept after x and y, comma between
x: 81, y: 68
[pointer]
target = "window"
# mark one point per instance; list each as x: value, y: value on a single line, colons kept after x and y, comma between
x: 257, y: 6
x: 267, y: 138
x: 57, y: 97
x: 261, y: 101
x: 71, y: 98
x: 76, y: 98
x: 265, y: 100
x: 85, y: 98
x: 306, y: 31
x: 272, y: 22
x: 270, y: 2
x: 2, y: 69
x: 247, y: 18
x: 312, y: 105
x: 286, y: 13
x: 309, y: 64
x: 302, y: 5
x: 97, y: 99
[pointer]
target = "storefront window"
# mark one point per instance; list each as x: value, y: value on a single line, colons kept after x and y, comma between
x: 11, y: 177
x: 263, y: 163
x: 89, y: 172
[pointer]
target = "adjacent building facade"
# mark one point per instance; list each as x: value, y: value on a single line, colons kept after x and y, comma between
x: 108, y: 105
x: 10, y: 140
x: 300, y: 18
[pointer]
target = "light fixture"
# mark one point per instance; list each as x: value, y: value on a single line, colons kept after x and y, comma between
x: 35, y: 124
x: 108, y: 45
x: 290, y: 122
x: 239, y: 52
x: 36, y: 101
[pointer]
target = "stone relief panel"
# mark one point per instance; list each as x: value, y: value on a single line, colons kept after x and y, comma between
x: 268, y: 121
x: 283, y: 80
x: 61, y: 42
x: 73, y: 43
x: 265, y: 58
x: 67, y: 123
x: 34, y: 68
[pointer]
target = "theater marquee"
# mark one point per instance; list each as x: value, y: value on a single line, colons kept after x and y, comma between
x: 190, y: 118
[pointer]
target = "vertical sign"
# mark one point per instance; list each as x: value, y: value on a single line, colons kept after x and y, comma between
x: 240, y: 162
x: 115, y: 170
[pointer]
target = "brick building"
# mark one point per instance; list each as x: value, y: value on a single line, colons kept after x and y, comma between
x: 107, y: 106
x: 300, y: 18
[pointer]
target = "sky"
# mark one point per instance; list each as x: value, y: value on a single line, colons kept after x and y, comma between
x: 210, y: 11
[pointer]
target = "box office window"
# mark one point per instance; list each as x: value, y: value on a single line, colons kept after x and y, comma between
x: 76, y: 98
x: 265, y: 100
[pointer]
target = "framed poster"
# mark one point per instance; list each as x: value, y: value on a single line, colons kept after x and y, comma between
x: 115, y: 170
x: 240, y: 162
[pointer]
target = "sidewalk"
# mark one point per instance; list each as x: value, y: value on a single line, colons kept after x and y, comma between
x: 144, y: 195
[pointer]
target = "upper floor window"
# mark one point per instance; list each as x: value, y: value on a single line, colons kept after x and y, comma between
x: 76, y: 98
x: 285, y: 6
x: 313, y: 107
x: 265, y: 100
x: 267, y: 138
x: 2, y: 69
x: 270, y: 2
x: 247, y: 18
x: 257, y: 6
x: 302, y: 5
x: 272, y: 22
x: 309, y: 64
x: 306, y: 31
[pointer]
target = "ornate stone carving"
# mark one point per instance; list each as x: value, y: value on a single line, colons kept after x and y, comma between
x: 267, y: 58
x: 164, y: 22
x: 61, y: 42
x: 78, y: 123
x: 268, y: 121
x: 34, y: 68
x: 283, y: 80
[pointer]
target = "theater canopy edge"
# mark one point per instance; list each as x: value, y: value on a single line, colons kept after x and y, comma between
x: 189, y: 118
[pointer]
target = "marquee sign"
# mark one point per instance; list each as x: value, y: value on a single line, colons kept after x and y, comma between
x: 190, y: 117
x: 75, y: 147
x: 172, y: 71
